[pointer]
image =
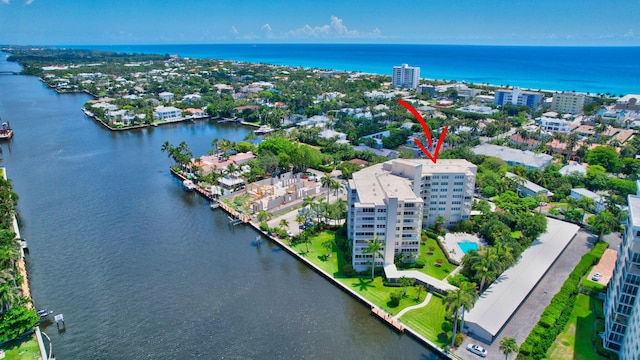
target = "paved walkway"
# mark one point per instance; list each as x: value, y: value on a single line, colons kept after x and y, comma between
x: 422, y: 304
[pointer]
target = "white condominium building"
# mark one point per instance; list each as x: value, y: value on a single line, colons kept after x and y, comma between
x: 622, y: 306
x: 394, y: 200
x: 569, y: 102
x: 405, y: 76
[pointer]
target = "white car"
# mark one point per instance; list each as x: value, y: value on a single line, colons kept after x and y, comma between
x: 596, y: 276
x: 477, y: 349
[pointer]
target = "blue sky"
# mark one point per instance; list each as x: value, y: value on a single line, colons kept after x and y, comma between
x: 487, y: 22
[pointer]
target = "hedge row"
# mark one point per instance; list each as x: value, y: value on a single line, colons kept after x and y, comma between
x: 555, y: 316
x: 444, y: 250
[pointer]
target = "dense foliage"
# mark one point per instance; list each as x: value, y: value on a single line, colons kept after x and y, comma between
x: 15, y: 317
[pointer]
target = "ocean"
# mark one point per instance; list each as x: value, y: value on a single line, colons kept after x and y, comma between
x: 595, y: 70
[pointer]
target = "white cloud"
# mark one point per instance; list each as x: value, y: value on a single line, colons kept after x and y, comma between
x: 234, y: 31
x: 5, y: 1
x: 28, y: 2
x: 266, y: 27
x: 629, y: 34
x: 335, y: 29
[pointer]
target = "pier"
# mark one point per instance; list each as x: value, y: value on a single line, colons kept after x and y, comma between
x: 386, y: 317
x: 237, y: 216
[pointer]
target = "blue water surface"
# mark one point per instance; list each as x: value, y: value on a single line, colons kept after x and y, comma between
x: 612, y: 70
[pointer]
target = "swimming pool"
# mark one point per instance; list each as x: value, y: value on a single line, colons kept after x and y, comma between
x: 467, y: 246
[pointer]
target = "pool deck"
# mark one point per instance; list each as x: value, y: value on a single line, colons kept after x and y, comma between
x: 451, y: 243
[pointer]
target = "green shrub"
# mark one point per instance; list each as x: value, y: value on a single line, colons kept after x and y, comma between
x: 459, y: 339
x: 547, y: 321
x: 420, y: 263
x: 430, y: 234
x: 264, y: 226
x: 348, y: 270
x: 489, y: 191
x: 395, y: 298
x: 446, y: 326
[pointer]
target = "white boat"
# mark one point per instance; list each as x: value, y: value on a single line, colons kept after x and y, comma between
x: 264, y: 129
x: 214, y: 205
x: 188, y: 185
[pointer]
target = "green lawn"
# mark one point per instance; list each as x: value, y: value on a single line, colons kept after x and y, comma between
x: 25, y: 350
x: 374, y: 291
x: 431, y: 270
x: 427, y: 321
x: 575, y: 340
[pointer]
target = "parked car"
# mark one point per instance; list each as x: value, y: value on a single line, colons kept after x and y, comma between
x: 596, y: 276
x: 477, y: 349
x: 306, y: 225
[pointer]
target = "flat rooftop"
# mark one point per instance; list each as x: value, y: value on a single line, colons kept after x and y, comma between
x: 528, y: 158
x: 496, y: 304
x: 377, y: 182
x: 634, y: 209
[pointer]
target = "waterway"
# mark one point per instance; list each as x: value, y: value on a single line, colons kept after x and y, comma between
x: 143, y: 270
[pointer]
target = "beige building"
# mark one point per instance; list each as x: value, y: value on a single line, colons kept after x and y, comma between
x: 568, y: 102
x: 394, y: 200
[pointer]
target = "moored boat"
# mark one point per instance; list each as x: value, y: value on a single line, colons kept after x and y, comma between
x: 188, y: 185
x: 6, y: 132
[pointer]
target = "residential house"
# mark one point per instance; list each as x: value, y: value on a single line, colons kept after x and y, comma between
x: 599, y: 202
x: 512, y: 157
x: 528, y: 188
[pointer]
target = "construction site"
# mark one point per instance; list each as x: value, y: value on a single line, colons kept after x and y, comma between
x: 276, y: 193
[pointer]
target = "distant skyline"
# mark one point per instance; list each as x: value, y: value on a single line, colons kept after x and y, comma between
x: 490, y: 22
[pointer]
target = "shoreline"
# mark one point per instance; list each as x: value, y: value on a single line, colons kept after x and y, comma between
x: 26, y: 289
x: 242, y: 53
x: 383, y: 316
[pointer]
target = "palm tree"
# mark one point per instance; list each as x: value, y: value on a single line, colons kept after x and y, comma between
x: 406, y: 282
x: 485, y: 265
x: 419, y: 288
x: 326, y: 181
x: 458, y: 300
x: 309, y: 201
x: 284, y: 224
x: 507, y: 346
x: 586, y: 203
x: 264, y: 215
x: 300, y: 219
x: 374, y: 247
x: 607, y: 222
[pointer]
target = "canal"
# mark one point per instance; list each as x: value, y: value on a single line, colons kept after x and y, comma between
x: 143, y: 270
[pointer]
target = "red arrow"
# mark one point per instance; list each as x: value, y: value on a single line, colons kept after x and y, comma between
x: 427, y: 133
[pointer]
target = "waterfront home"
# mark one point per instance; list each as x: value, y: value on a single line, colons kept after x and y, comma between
x: 190, y: 98
x: 168, y: 113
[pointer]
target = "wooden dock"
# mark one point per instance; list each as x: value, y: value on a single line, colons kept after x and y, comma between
x: 243, y: 218
x: 386, y: 317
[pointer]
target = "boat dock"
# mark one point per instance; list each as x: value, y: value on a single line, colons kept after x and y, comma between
x: 386, y: 317
x: 240, y: 217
